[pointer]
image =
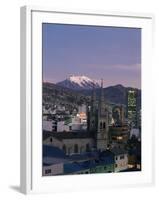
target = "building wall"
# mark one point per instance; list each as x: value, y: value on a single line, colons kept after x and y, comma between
x: 61, y: 127
x: 121, y: 162
x: 54, y: 142
x: 135, y: 132
x: 54, y: 169
x: 103, y: 169
x: 47, y: 125
x: 81, y: 143
x: 69, y: 144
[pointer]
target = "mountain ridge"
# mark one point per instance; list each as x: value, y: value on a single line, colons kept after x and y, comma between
x: 114, y: 94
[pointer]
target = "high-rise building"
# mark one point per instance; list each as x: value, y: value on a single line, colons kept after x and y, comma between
x: 132, y: 107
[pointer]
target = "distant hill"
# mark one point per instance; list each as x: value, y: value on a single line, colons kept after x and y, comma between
x: 114, y: 94
x: 56, y: 94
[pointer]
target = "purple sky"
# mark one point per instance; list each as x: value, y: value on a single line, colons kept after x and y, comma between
x: 111, y: 53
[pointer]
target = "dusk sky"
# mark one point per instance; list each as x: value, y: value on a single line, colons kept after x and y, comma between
x: 111, y: 53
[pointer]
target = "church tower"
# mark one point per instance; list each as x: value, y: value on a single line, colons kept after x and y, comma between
x: 103, y: 128
x: 93, y: 112
x: 93, y: 115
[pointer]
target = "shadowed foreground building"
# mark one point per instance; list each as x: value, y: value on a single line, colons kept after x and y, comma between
x: 55, y: 162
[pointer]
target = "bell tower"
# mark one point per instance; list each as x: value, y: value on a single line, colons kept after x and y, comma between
x: 93, y: 125
x: 103, y: 128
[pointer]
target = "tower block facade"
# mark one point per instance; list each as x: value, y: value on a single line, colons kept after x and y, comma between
x: 103, y: 128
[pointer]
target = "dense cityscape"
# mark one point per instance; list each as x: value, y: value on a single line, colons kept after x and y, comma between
x: 91, y: 99
x: 85, y: 132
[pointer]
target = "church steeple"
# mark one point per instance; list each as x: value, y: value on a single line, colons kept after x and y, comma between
x: 102, y: 95
x: 93, y: 114
x: 102, y: 134
x: 93, y: 99
x: 101, y: 103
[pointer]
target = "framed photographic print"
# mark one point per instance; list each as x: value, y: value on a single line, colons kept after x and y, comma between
x: 86, y: 100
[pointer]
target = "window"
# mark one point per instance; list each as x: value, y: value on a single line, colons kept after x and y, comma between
x: 105, y: 168
x: 121, y: 157
x: 64, y: 148
x: 87, y: 147
x: 69, y: 151
x: 47, y: 171
x: 104, y: 125
x: 75, y: 148
x: 82, y: 149
x: 101, y: 125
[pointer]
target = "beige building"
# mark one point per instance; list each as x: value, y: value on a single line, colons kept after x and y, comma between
x: 121, y: 159
x: 70, y: 142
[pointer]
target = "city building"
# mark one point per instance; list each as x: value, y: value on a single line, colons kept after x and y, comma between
x: 78, y: 140
x: 94, y: 138
x: 98, y: 117
x: 132, y: 107
x: 118, y: 114
x: 121, y: 159
x: 135, y: 132
x: 49, y: 125
x: 53, y: 160
x: 119, y: 133
x: 56, y: 162
x: 63, y: 127
x: 70, y: 142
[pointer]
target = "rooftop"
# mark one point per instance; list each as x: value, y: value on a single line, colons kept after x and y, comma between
x: 118, y: 151
x: 51, y: 151
x: 67, y: 135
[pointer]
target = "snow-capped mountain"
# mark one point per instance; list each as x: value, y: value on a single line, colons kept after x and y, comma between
x: 79, y: 83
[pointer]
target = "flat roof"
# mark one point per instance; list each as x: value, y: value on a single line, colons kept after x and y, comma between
x: 68, y: 135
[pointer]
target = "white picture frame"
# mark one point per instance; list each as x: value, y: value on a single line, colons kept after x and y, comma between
x: 31, y: 100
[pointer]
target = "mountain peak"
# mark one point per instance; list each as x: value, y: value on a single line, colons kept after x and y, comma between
x: 79, y: 82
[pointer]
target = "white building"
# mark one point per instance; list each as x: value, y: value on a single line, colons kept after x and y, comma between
x: 135, y: 132
x: 60, y: 108
x: 54, y: 169
x: 121, y: 159
x: 82, y: 108
x: 62, y: 127
x: 47, y: 125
